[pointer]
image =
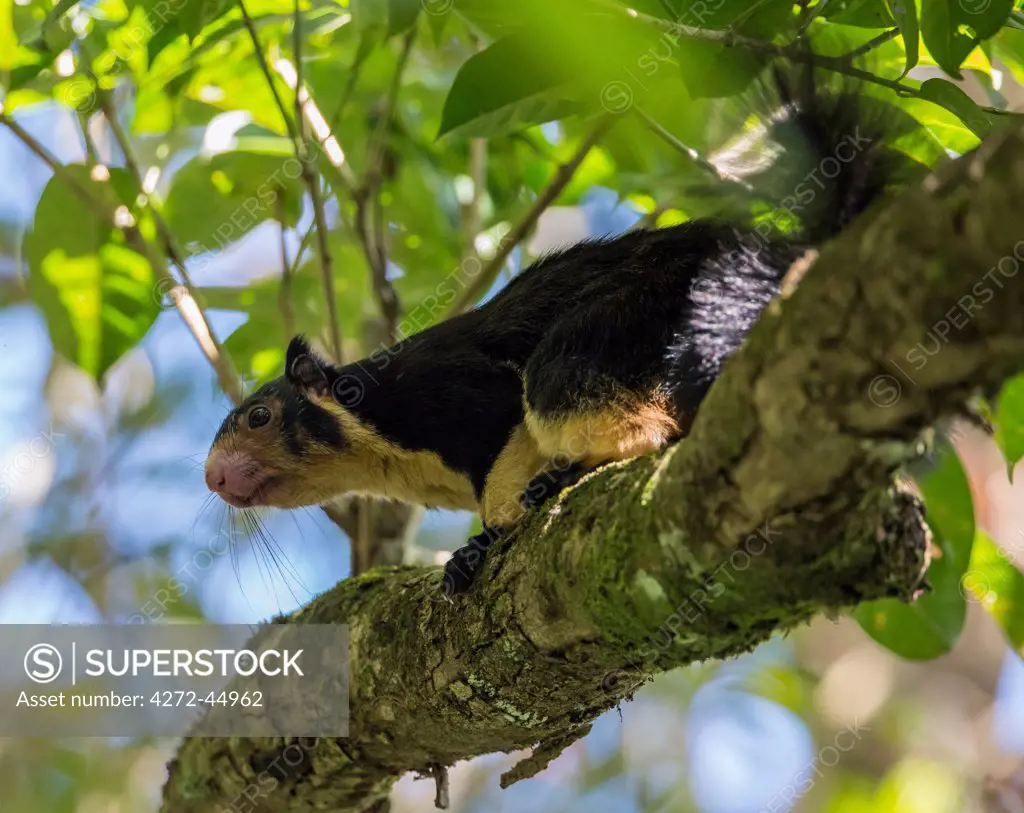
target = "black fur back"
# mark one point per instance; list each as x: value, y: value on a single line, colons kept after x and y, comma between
x: 650, y: 312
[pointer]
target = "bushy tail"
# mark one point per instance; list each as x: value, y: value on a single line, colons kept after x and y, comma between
x: 821, y: 156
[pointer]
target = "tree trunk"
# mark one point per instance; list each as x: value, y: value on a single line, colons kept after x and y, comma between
x: 778, y: 506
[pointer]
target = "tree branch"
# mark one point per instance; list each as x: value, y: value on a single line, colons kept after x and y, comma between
x: 284, y: 294
x: 794, y: 52
x: 291, y: 126
x: 472, y: 211
x: 350, y: 85
x: 870, y: 45
x: 369, y: 222
x: 778, y: 506
x: 297, y: 130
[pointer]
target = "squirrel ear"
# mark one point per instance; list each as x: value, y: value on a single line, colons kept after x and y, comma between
x: 304, y: 369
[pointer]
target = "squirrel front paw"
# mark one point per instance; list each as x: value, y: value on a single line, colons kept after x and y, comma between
x: 461, y: 569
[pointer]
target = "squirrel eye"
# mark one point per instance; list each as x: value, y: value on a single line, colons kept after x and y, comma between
x: 258, y: 416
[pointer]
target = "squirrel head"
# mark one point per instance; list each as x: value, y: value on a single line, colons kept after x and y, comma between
x: 284, y: 445
x: 310, y: 435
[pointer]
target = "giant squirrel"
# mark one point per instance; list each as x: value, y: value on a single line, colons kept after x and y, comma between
x: 597, y: 353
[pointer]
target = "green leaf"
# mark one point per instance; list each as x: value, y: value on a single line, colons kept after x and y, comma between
x: 367, y: 14
x: 500, y: 19
x: 984, y: 17
x: 402, y: 15
x: 996, y: 583
x: 195, y: 15
x: 942, y: 131
x: 502, y: 88
x: 41, y: 38
x: 187, y: 17
x: 947, y: 45
x: 1010, y: 421
x: 98, y: 296
x: 949, y: 96
x: 708, y: 69
x: 257, y: 349
x: 711, y: 70
x: 215, y: 201
x: 543, y: 72
x: 931, y: 625
x: 58, y: 10
x: 24, y: 74
x: 8, y: 40
x: 161, y: 39
x: 951, y: 28
x: 438, y: 12
x: 905, y: 13
x: 859, y: 13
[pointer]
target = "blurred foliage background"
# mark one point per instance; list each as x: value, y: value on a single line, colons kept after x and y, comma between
x: 188, y: 182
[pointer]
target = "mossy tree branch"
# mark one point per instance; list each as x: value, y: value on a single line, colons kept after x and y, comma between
x: 777, y: 507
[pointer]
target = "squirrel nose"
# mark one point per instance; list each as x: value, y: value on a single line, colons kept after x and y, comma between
x: 216, y: 474
x: 234, y: 476
x: 231, y: 474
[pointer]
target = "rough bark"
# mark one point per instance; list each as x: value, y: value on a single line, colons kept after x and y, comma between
x: 777, y: 507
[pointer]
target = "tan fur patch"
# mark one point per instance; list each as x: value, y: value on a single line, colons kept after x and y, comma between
x: 374, y: 466
x: 617, y: 432
x: 517, y: 464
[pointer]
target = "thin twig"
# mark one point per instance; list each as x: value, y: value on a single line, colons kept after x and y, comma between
x: 690, y: 152
x: 296, y: 128
x: 353, y: 74
x: 92, y: 154
x: 300, y: 118
x: 747, y: 13
x: 326, y: 259
x: 268, y: 75
x: 338, y: 512
x: 284, y: 294
x: 563, y: 175
x: 442, y: 790
x: 472, y: 221
x: 343, y: 175
x: 171, y: 249
x: 303, y: 245
x: 871, y: 44
x: 374, y: 243
x: 816, y: 12
x: 312, y: 180
x: 363, y: 543
x: 796, y: 53
x: 120, y: 218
